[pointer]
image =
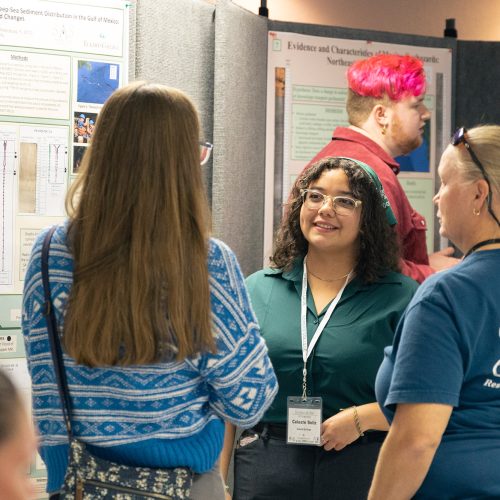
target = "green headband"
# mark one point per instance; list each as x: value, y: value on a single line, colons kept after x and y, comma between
x: 391, y: 218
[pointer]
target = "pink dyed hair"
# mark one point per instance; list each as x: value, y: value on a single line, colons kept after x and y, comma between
x: 387, y: 74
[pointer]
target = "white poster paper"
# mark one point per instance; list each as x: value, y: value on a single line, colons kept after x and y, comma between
x: 69, y: 26
x: 34, y: 85
x: 306, y: 94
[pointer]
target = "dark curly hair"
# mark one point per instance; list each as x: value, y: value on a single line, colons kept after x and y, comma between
x: 378, y: 243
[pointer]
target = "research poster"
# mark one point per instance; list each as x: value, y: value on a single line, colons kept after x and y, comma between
x: 306, y: 95
x: 59, y: 62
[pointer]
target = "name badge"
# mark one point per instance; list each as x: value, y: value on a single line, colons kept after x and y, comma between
x: 304, y: 417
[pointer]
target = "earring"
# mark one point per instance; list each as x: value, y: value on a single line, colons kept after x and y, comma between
x: 384, y: 128
x: 475, y: 211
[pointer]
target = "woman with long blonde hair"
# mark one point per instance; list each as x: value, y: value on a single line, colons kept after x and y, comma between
x: 160, y: 341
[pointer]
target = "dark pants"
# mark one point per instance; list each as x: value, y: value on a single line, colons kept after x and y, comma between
x: 269, y: 469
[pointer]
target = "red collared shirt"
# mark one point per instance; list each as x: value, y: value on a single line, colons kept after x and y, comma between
x: 411, y: 226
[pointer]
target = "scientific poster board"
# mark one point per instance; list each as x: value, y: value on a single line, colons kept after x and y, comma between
x: 59, y: 61
x: 306, y: 95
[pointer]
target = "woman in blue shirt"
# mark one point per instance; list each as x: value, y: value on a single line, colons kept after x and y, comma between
x: 440, y: 383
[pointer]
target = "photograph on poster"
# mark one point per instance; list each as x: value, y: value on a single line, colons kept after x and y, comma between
x: 83, y: 126
x: 78, y: 152
x: 44, y: 161
x: 419, y: 159
x: 96, y: 81
x: 27, y: 177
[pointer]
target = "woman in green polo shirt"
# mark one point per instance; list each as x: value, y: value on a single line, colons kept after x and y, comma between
x: 327, y: 307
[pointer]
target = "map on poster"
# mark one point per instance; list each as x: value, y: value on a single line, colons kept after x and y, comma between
x: 306, y: 95
x: 59, y: 61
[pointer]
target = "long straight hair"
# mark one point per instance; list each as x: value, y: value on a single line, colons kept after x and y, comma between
x: 139, y: 227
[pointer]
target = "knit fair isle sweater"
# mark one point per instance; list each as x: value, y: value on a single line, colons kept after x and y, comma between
x: 160, y: 415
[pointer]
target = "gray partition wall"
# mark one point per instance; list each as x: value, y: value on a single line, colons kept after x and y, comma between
x: 477, y: 83
x: 239, y: 132
x: 174, y: 45
x: 218, y: 55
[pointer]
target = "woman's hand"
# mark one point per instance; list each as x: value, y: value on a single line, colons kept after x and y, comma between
x: 339, y: 431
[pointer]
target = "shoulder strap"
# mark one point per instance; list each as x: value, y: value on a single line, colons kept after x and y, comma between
x: 55, y: 345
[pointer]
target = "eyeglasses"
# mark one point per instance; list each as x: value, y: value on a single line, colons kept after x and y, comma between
x: 459, y: 138
x: 205, y: 152
x: 342, y: 205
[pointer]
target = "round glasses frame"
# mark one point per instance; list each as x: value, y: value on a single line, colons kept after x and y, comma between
x: 342, y: 205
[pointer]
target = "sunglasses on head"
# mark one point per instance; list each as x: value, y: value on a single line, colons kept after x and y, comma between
x: 459, y: 137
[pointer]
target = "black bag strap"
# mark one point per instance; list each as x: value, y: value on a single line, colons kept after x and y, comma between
x: 55, y: 345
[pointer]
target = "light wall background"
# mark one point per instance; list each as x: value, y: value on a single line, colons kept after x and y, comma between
x: 475, y: 19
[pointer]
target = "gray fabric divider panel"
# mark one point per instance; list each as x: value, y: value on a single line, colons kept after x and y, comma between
x: 478, y: 89
x: 132, y: 41
x: 175, y: 47
x: 239, y: 132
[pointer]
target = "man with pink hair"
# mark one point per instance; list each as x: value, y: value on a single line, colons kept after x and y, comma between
x: 387, y: 114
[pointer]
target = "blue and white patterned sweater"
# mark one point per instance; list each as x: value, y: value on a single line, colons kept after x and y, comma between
x: 162, y: 415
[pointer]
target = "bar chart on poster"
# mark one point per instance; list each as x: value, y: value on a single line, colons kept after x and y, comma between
x: 306, y: 97
x: 59, y: 62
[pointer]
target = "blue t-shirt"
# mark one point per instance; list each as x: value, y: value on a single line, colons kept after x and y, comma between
x: 447, y: 350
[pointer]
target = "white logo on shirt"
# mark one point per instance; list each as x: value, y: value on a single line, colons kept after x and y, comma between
x: 496, y: 369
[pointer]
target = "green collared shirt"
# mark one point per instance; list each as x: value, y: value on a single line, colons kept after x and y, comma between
x: 343, y: 365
